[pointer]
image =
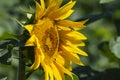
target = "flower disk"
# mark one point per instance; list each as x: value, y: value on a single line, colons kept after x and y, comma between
x: 55, y: 39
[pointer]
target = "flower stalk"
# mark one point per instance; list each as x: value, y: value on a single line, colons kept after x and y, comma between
x: 21, y: 70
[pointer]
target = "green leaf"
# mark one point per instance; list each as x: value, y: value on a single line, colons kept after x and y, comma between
x: 105, y: 50
x: 36, y: 75
x: 7, y: 35
x: 7, y: 49
x: 75, y: 77
x: 106, y: 1
x: 3, y: 52
x: 5, y: 78
x: 14, y: 56
x: 115, y: 47
x: 116, y: 14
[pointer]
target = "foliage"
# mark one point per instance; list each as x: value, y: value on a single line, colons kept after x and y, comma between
x: 102, y: 46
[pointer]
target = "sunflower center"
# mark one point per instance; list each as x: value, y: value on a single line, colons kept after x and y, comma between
x: 47, y: 34
x: 50, y: 45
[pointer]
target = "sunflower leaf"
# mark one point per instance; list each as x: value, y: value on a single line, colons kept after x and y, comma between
x: 115, y: 47
x: 105, y: 50
x: 75, y: 77
x: 7, y: 35
x: 6, y: 49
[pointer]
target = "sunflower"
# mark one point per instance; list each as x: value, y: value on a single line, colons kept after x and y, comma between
x: 56, y: 39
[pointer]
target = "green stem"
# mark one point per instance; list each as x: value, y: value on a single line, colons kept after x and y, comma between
x: 21, y: 65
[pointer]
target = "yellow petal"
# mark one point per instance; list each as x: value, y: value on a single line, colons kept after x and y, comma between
x: 39, y: 10
x: 55, y: 3
x: 63, y: 28
x: 72, y: 35
x: 74, y: 25
x: 29, y: 27
x: 59, y: 59
x: 30, y: 41
x: 61, y: 12
x: 84, y: 21
x: 74, y: 49
x: 56, y: 72
x: 66, y: 71
x: 48, y: 71
x: 52, y: 5
x: 37, y: 61
x: 42, y: 3
x: 37, y: 44
x: 71, y: 56
x: 45, y: 70
x: 77, y: 42
x: 65, y: 15
x: 68, y: 65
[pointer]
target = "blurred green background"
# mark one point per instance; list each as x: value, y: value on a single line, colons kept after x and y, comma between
x: 102, y: 31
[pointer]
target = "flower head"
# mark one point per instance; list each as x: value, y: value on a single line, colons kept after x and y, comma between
x: 55, y: 39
